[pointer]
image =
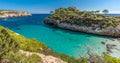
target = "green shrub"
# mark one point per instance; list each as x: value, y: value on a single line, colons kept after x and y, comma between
x: 86, y: 18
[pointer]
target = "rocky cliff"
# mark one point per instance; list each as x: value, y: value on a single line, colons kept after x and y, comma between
x: 109, y: 31
x: 12, y: 13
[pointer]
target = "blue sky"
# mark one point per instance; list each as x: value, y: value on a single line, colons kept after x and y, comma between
x: 45, y: 6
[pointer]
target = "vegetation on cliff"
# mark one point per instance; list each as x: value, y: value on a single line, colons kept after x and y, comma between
x: 85, y: 18
x: 10, y: 44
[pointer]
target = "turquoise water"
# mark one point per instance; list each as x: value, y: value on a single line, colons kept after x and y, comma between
x: 63, y: 41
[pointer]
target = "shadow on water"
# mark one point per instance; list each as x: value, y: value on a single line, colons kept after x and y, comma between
x: 77, y: 33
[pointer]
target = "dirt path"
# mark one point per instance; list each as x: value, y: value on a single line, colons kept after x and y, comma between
x: 45, y: 59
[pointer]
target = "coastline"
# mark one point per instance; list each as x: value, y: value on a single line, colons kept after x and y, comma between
x: 11, y: 13
x: 109, y: 31
x: 111, y: 47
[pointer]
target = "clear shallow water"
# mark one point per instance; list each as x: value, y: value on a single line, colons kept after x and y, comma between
x: 63, y: 41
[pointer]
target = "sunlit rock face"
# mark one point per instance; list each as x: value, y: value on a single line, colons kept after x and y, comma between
x: 109, y: 31
x: 12, y: 13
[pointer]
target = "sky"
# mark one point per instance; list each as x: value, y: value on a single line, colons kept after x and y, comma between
x: 45, y: 6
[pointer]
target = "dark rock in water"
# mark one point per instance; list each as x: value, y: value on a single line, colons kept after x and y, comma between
x: 103, y: 42
x: 113, y: 45
x: 110, y: 47
x: 109, y: 50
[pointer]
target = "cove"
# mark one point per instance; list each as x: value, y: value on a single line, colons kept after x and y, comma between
x: 63, y: 41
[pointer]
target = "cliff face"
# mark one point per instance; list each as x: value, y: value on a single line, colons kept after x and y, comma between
x: 109, y: 31
x: 11, y: 13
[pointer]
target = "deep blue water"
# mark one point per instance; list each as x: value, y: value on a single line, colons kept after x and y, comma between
x: 63, y: 41
x: 112, y: 14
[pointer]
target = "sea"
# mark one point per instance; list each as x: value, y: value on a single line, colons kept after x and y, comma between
x: 75, y: 44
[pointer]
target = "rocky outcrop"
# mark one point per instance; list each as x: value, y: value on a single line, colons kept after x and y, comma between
x: 51, y: 22
x: 103, y: 42
x: 11, y: 13
x: 109, y: 31
x: 110, y: 47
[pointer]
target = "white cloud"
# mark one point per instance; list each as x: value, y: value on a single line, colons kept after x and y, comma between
x: 114, y: 12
